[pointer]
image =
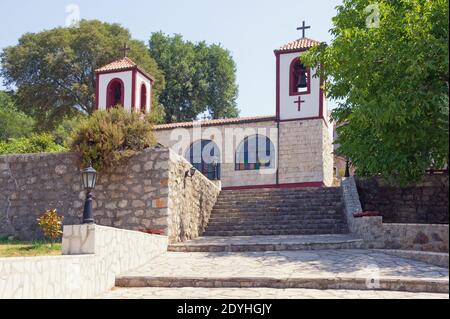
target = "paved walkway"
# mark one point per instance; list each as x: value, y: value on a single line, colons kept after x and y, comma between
x: 261, y: 293
x: 285, y: 264
x: 322, y: 269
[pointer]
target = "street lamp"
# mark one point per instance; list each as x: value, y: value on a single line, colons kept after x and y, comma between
x: 89, y: 178
x: 347, y: 168
x: 190, y: 172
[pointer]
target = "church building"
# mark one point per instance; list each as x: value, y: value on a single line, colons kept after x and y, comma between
x: 292, y: 148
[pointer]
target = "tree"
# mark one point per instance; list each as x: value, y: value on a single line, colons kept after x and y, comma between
x: 54, y: 70
x: 200, y: 78
x: 392, y: 81
x: 13, y: 123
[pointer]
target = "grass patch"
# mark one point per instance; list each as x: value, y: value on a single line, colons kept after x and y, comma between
x: 18, y: 248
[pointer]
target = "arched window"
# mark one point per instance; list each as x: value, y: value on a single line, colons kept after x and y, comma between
x: 255, y: 152
x: 300, y: 78
x: 143, y: 98
x: 114, y: 93
x: 204, y: 155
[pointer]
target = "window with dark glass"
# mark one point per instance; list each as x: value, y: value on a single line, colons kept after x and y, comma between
x: 204, y: 155
x: 254, y: 153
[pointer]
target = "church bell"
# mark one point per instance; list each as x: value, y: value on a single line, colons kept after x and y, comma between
x: 302, y: 80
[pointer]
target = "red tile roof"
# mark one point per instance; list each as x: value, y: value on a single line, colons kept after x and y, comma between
x: 238, y: 120
x: 121, y: 64
x: 300, y: 44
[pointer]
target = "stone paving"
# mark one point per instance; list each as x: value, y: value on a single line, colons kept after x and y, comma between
x: 268, y: 243
x: 323, y: 269
x: 261, y: 293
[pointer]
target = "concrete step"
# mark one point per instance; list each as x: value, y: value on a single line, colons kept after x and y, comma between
x: 277, y: 226
x: 267, y: 243
x: 298, y: 221
x: 268, y: 210
x: 302, y: 231
x: 318, y: 269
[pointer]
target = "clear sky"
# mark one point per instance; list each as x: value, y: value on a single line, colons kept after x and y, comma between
x: 249, y: 29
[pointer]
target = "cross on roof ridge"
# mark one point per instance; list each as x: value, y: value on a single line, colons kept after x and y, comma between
x: 125, y: 49
x: 303, y: 28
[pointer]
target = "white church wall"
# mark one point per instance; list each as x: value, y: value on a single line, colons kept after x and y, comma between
x: 104, y: 80
x: 288, y: 107
x: 139, y: 80
x: 229, y: 176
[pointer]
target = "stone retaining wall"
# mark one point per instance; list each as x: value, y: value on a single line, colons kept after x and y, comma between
x: 424, y: 203
x: 190, y: 202
x: 132, y: 196
x: 105, y: 253
x: 376, y: 234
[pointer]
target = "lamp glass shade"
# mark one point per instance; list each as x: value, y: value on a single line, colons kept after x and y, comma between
x: 89, y: 177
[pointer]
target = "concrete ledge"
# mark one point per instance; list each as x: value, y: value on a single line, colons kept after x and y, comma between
x: 107, y: 252
x: 351, y: 283
x: 376, y: 234
x: 437, y: 259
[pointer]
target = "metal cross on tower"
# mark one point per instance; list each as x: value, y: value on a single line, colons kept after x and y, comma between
x: 125, y: 50
x: 303, y: 28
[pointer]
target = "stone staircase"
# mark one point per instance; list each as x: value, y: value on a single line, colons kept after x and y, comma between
x: 278, y: 212
x: 280, y: 239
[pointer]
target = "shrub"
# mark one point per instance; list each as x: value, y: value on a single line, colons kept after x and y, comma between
x: 64, y: 129
x: 36, y: 143
x: 109, y: 137
x: 51, y: 224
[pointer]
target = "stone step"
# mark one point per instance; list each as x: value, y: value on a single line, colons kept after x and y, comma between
x: 275, y: 207
x: 256, y: 227
x: 267, y: 243
x: 286, y: 191
x: 358, y: 283
x: 272, y: 221
x: 276, y: 215
x: 293, y: 231
x: 279, y: 198
x: 318, y: 269
x: 234, y: 209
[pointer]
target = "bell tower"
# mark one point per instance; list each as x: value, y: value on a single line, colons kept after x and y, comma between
x: 298, y: 93
x: 123, y: 83
x: 305, y: 135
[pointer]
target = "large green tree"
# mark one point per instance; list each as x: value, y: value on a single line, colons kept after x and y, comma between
x: 53, y: 70
x: 200, y: 78
x: 13, y: 123
x: 388, y: 67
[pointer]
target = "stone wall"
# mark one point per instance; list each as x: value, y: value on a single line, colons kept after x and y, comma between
x: 303, y: 148
x: 424, y: 203
x: 95, y: 255
x: 376, y: 234
x: 190, y: 202
x: 132, y: 196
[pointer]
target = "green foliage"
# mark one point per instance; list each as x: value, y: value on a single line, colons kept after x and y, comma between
x: 51, y: 224
x: 63, y: 131
x: 200, y: 78
x: 36, y: 143
x: 108, y: 137
x: 53, y: 70
x: 13, y: 123
x: 392, y: 82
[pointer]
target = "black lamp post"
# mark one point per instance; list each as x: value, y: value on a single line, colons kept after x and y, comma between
x: 89, y: 178
x: 347, y: 168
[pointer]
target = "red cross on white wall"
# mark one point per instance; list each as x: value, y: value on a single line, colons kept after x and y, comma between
x: 299, y: 103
